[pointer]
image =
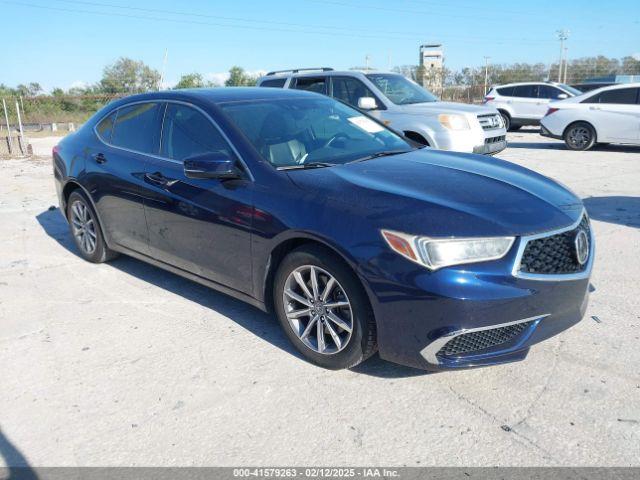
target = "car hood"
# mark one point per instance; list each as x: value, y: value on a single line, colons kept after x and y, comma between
x: 436, y: 193
x: 446, y: 107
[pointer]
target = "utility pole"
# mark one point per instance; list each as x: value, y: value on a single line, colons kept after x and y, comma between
x: 366, y: 62
x: 164, y: 66
x: 566, y: 64
x: 486, y: 74
x: 563, y: 35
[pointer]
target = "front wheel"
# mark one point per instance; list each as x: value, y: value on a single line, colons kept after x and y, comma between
x: 323, y: 309
x: 580, y: 136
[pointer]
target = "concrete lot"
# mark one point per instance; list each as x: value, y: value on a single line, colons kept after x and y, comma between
x: 124, y: 364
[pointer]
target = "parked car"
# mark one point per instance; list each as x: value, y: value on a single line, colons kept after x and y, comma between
x: 404, y: 106
x: 588, y: 86
x: 526, y: 103
x: 355, y: 238
x: 607, y: 115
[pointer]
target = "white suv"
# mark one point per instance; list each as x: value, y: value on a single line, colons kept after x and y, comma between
x: 404, y: 106
x: 607, y: 115
x: 526, y: 103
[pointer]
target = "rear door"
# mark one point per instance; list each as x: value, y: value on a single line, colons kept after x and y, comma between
x: 616, y: 115
x: 202, y: 226
x: 115, y: 172
x: 525, y: 102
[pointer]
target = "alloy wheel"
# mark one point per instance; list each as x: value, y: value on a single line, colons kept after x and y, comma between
x: 318, y: 309
x: 579, y: 137
x: 84, y: 227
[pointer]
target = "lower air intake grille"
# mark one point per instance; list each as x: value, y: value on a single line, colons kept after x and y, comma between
x: 474, y: 341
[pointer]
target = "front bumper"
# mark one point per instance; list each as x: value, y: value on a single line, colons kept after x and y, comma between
x: 546, y: 133
x: 419, y: 312
x: 476, y: 140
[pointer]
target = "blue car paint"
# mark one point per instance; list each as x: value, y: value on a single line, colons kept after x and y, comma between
x: 227, y: 231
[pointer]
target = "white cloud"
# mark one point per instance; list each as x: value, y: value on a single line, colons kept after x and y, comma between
x: 217, y: 77
x: 79, y: 84
x: 636, y: 56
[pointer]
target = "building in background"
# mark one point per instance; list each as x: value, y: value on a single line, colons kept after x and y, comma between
x: 431, y: 69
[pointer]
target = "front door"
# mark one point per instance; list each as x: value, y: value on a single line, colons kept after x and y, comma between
x: 199, y: 225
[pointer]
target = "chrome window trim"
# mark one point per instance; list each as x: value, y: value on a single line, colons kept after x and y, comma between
x: 430, y: 351
x: 524, y: 240
x: 159, y: 157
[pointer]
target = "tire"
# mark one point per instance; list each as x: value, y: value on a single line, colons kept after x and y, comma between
x: 506, y: 119
x: 579, y: 136
x: 86, y: 230
x: 351, y: 347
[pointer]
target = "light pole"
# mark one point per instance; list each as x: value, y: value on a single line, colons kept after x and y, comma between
x: 566, y: 64
x: 563, y: 35
x: 486, y: 74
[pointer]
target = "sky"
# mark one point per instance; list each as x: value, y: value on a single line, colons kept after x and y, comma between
x: 65, y: 43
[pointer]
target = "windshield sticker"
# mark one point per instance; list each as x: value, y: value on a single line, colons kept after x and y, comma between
x: 366, y: 124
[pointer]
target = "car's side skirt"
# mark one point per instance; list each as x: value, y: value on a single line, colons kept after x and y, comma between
x: 191, y: 276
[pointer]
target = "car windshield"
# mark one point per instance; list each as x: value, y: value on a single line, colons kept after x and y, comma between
x: 569, y: 88
x: 400, y: 90
x: 299, y: 132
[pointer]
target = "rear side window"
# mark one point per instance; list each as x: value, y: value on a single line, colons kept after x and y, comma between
x: 505, y: 91
x: 525, y: 91
x: 135, y: 127
x: 349, y: 90
x: 186, y: 133
x: 105, y: 127
x: 312, y: 84
x: 275, y: 83
x: 620, y: 96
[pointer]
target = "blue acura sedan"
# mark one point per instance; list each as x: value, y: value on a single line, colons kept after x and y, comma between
x: 357, y: 239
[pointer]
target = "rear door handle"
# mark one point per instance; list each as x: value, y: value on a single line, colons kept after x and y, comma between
x: 100, y: 158
x: 594, y: 108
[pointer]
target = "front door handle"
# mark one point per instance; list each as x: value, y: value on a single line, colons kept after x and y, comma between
x: 100, y: 158
x: 158, y: 179
x: 594, y: 108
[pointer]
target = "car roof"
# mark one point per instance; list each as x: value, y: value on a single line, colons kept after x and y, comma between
x: 516, y: 84
x: 218, y: 95
x: 328, y: 73
x: 616, y: 86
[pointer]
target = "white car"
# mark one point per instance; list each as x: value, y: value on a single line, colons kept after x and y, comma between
x: 606, y: 115
x: 404, y: 106
x: 526, y: 103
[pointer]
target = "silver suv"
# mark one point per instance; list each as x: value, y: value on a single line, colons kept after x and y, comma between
x: 526, y: 103
x: 404, y: 106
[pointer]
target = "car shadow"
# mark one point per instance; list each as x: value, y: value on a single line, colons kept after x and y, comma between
x: 17, y: 466
x: 559, y: 145
x: 250, y: 318
x: 620, y: 210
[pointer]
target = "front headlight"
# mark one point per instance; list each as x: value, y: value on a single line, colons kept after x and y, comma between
x: 435, y: 253
x: 453, y: 122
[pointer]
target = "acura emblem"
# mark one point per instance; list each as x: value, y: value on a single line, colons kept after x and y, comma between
x: 582, y: 247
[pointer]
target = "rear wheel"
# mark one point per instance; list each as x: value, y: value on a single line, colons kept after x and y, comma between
x: 323, y: 309
x: 85, y: 229
x: 580, y: 136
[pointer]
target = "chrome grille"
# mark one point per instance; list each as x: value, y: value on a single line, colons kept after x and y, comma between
x: 555, y: 254
x: 476, y: 341
x: 490, y: 121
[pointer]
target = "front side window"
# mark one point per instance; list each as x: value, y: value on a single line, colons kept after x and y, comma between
x: 294, y: 132
x: 401, y: 90
x: 135, y: 127
x: 312, y: 84
x: 186, y: 133
x: 349, y: 90
x: 546, y: 91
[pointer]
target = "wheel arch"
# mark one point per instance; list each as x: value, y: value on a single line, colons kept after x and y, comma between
x: 69, y: 187
x: 287, y: 245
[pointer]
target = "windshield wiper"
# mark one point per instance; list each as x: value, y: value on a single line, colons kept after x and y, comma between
x: 303, y: 166
x: 386, y: 153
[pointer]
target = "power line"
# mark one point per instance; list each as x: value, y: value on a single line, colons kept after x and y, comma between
x: 340, y: 31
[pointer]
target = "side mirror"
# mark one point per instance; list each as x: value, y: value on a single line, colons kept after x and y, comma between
x: 367, y: 103
x: 563, y: 96
x: 211, y: 165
